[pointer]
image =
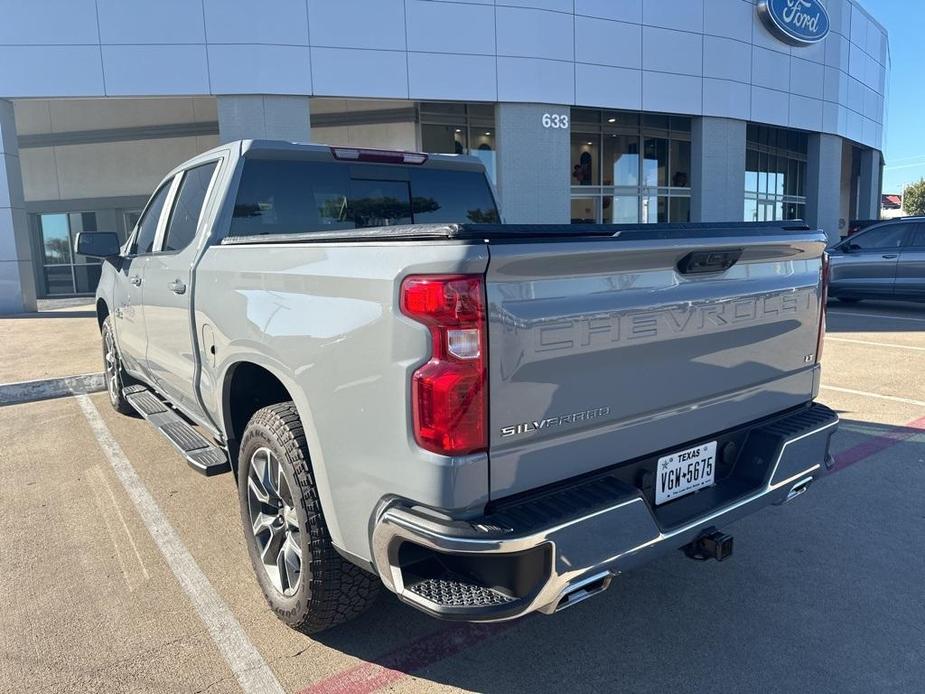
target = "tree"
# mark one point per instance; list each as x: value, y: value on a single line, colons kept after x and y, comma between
x: 914, y: 199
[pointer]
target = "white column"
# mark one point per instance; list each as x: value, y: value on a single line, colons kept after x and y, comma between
x: 263, y: 116
x: 17, y: 278
x: 718, y: 170
x: 533, y: 163
x: 823, y: 184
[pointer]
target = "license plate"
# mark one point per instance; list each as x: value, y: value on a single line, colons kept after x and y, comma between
x: 684, y: 472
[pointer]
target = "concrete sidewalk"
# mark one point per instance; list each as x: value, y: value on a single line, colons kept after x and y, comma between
x: 50, y: 344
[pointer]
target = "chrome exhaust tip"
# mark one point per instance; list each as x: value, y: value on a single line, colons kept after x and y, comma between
x: 584, y: 589
x: 798, y: 489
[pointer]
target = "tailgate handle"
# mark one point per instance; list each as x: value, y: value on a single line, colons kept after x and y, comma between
x: 702, y: 262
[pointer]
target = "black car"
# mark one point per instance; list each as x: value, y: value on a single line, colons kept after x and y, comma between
x: 884, y: 261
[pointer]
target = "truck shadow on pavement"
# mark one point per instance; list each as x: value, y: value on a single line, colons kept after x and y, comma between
x: 766, y: 619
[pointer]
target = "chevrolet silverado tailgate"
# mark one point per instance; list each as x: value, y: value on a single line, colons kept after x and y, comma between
x: 602, y: 350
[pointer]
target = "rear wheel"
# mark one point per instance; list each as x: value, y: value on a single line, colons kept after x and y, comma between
x: 305, y: 581
x: 115, y: 376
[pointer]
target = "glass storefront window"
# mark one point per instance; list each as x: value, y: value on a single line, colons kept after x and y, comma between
x: 637, y: 164
x: 483, y: 146
x: 56, y: 240
x: 653, y: 120
x: 794, y: 210
x: 762, y: 173
x: 59, y: 279
x: 444, y: 138
x: 585, y: 116
x: 586, y: 159
x: 655, y: 209
x: 679, y: 209
x: 584, y: 211
x: 681, y: 124
x: 63, y: 272
x: 680, y: 159
x: 625, y: 210
x: 620, y: 119
x: 454, y: 128
x: 655, y: 165
x: 621, y: 160
x: 775, y: 172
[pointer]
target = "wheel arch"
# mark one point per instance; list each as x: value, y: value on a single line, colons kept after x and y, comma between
x: 248, y: 387
x: 251, y: 384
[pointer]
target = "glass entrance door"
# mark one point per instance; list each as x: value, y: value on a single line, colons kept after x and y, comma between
x: 637, y: 174
x: 62, y: 272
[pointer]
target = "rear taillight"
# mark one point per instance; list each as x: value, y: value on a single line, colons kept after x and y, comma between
x: 824, y: 296
x: 449, y: 394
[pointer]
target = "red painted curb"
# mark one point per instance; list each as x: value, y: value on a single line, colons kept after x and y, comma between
x: 876, y: 444
x: 411, y: 657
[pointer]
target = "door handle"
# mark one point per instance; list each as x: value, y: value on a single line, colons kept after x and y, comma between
x: 135, y: 279
x: 890, y: 256
x: 177, y: 287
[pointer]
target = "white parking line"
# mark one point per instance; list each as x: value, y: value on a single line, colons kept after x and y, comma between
x: 874, y: 315
x: 866, y: 394
x: 251, y: 670
x: 891, y: 345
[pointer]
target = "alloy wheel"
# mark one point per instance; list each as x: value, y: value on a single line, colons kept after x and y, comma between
x: 111, y: 364
x: 274, y: 521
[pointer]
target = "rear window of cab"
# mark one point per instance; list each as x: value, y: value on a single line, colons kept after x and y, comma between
x: 282, y: 196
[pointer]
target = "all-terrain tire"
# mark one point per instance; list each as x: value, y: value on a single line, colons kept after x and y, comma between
x: 116, y: 378
x: 330, y: 590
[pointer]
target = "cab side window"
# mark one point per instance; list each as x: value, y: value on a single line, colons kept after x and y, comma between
x: 147, y: 225
x: 181, y: 229
x: 883, y: 238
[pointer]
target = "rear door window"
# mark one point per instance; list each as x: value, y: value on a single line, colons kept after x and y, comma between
x: 181, y: 229
x: 882, y: 238
x: 292, y: 196
x: 147, y: 225
x: 917, y: 237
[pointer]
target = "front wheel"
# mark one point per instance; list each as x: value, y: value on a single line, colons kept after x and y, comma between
x: 305, y: 581
x: 112, y: 370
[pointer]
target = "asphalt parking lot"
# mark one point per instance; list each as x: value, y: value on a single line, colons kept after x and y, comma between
x: 826, y: 594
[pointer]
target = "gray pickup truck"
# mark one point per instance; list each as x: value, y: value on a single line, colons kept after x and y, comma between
x: 488, y: 419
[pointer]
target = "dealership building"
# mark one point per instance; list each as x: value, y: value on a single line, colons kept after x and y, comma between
x: 583, y: 111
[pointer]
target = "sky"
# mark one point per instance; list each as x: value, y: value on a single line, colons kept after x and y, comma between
x: 905, y: 128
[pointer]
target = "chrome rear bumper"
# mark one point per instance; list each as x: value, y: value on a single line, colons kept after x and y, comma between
x: 552, y: 551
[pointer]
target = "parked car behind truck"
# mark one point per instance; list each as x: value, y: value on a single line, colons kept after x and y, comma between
x: 488, y: 419
x: 885, y: 261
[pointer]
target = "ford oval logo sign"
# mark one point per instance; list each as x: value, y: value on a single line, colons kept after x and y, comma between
x: 797, y: 22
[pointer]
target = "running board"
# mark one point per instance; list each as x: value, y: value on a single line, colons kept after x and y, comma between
x: 204, y: 457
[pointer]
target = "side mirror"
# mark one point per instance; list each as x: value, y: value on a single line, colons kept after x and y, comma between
x: 850, y: 247
x: 98, y: 244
